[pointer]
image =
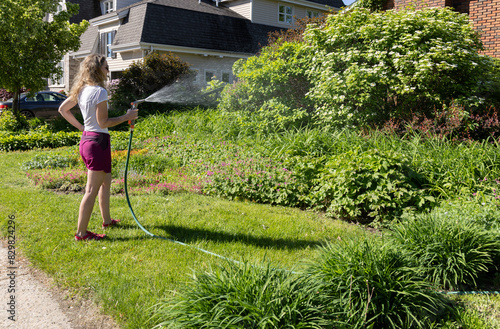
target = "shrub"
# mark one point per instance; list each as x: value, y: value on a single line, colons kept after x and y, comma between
x: 372, y: 66
x: 452, y: 250
x: 371, y: 283
x: 38, y: 140
x: 369, y: 185
x: 9, y: 122
x: 145, y: 77
x: 244, y: 296
x: 271, y: 94
x: 451, y: 122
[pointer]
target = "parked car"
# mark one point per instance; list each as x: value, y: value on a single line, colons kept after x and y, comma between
x: 43, y: 104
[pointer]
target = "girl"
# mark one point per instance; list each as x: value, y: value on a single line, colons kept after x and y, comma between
x: 89, y: 92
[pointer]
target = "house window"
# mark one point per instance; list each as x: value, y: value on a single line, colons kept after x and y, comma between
x: 60, y: 7
x: 226, y: 77
x: 312, y: 14
x: 195, y: 76
x: 285, y: 14
x: 58, y: 82
x: 109, y: 42
x: 106, y: 43
x: 209, y: 74
x: 108, y: 6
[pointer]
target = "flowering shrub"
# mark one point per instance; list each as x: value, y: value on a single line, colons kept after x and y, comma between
x: 372, y: 66
x: 362, y: 68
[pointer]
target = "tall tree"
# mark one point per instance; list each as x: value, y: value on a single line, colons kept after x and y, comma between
x: 34, y: 36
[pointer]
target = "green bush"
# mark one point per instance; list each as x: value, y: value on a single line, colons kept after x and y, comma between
x: 145, y: 77
x: 370, y: 282
x: 38, y: 140
x: 10, y: 123
x: 271, y: 94
x: 244, y: 297
x: 369, y: 67
x: 452, y: 250
x: 369, y: 185
x: 36, y: 123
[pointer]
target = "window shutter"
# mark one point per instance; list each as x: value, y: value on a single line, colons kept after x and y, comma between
x: 102, y: 45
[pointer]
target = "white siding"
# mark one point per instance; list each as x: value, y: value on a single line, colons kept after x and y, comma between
x: 123, y: 60
x: 266, y: 12
x: 242, y: 7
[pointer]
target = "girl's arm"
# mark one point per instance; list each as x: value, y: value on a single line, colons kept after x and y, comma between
x: 65, y: 110
x: 105, y: 122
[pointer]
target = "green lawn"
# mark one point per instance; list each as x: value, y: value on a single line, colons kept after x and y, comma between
x: 129, y: 272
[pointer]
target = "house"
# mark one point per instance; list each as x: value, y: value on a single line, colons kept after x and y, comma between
x: 484, y: 14
x: 210, y: 35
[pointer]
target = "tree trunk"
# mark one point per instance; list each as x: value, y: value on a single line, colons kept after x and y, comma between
x: 15, y: 103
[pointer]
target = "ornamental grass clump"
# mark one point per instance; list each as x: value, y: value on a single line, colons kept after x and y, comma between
x: 244, y: 296
x: 369, y: 280
x: 452, y: 251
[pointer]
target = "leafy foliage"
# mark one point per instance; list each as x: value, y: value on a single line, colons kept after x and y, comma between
x: 370, y: 185
x: 32, y: 45
x: 372, y: 66
x: 363, y: 68
x: 38, y: 140
x: 145, y: 77
x: 42, y: 161
x: 271, y: 94
x: 9, y: 122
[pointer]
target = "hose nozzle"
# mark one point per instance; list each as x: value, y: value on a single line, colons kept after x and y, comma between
x: 135, y: 104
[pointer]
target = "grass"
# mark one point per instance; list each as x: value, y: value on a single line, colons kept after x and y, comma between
x: 129, y: 272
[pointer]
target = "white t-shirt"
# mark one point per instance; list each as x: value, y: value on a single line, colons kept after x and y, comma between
x: 88, y: 99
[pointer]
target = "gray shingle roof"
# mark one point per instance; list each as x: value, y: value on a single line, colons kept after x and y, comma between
x: 188, y: 23
x: 199, y: 29
x: 330, y: 3
x: 88, y: 40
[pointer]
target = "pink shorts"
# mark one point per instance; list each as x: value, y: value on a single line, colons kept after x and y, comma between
x: 95, y: 149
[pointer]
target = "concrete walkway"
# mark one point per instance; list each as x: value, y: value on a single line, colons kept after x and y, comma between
x: 28, y: 297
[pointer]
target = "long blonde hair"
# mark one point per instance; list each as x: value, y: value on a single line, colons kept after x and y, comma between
x: 89, y: 74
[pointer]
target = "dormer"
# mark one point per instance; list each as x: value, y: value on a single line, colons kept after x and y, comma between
x: 108, y: 6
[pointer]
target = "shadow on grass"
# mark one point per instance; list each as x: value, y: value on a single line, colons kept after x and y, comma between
x: 192, y: 235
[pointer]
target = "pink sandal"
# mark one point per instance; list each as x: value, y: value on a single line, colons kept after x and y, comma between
x: 90, y: 236
x: 113, y: 223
